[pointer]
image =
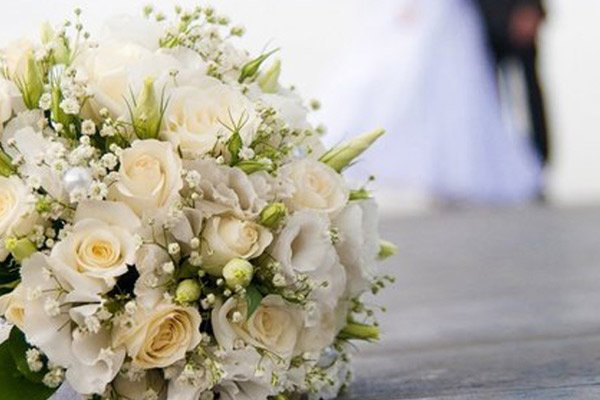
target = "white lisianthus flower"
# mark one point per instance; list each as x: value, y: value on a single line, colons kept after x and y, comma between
x: 90, y: 360
x: 17, y: 214
x: 152, y: 284
x: 225, y: 190
x: 149, y: 176
x: 304, y: 247
x: 358, y: 243
x: 136, y: 389
x: 95, y: 363
x: 129, y: 29
x: 10, y: 101
x: 30, y: 144
x: 198, y: 116
x: 248, y: 375
x: 227, y: 238
x: 99, y: 248
x: 190, y: 384
x: 275, y: 326
x: 317, y: 187
x: 160, y: 337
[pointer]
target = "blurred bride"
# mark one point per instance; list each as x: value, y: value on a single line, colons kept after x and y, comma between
x: 419, y: 68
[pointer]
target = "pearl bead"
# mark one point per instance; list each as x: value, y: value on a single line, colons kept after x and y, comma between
x: 328, y: 357
x: 77, y: 178
x: 299, y: 152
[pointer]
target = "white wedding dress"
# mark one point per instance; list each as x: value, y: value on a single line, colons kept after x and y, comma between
x: 419, y: 68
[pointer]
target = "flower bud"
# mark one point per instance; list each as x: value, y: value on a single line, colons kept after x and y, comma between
x: 147, y: 115
x: 386, y: 250
x: 47, y: 36
x: 341, y: 156
x: 6, y: 166
x: 188, y: 291
x: 272, y: 215
x: 19, y: 248
x: 356, y: 331
x: 269, y: 80
x: 32, y: 84
x: 238, y: 272
x: 251, y: 68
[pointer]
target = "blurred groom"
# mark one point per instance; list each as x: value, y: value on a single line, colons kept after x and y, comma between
x: 512, y: 28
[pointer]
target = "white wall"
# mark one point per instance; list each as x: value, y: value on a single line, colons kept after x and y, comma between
x: 310, y: 32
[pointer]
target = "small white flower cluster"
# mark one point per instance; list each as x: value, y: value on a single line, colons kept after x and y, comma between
x: 174, y: 226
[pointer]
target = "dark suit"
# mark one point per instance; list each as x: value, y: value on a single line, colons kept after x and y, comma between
x: 497, y: 16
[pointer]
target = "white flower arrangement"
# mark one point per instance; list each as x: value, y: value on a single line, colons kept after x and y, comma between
x: 171, y: 226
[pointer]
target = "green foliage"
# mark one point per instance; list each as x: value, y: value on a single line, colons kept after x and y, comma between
x: 17, y: 382
x: 9, y: 275
x: 253, y: 299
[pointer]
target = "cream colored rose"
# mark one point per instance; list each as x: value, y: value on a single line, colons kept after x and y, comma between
x: 274, y: 326
x: 17, y: 216
x: 12, y: 307
x: 226, y: 238
x: 198, y: 115
x: 160, y: 337
x: 317, y: 187
x: 149, y: 176
x: 99, y: 248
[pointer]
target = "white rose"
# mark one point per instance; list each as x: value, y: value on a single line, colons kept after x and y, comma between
x: 275, y: 325
x: 16, y: 56
x: 149, y: 176
x: 317, y: 187
x: 197, y: 116
x: 358, y: 245
x: 304, y: 247
x: 160, y: 337
x: 11, y: 101
x: 99, y: 248
x: 227, y: 238
x: 17, y: 215
x: 117, y: 69
x: 225, y: 190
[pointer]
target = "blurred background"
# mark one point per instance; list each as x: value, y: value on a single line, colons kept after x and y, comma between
x: 399, y: 47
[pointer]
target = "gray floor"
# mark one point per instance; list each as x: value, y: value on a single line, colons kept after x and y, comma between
x: 500, y: 304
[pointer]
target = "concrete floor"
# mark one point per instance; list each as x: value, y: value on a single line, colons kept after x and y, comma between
x: 489, y: 304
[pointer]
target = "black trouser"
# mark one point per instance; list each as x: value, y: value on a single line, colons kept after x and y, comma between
x: 527, y: 58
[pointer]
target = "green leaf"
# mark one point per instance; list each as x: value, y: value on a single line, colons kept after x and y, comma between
x: 253, y: 299
x: 14, y: 385
x: 18, y: 348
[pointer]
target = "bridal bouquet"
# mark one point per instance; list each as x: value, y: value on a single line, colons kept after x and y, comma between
x: 171, y: 226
